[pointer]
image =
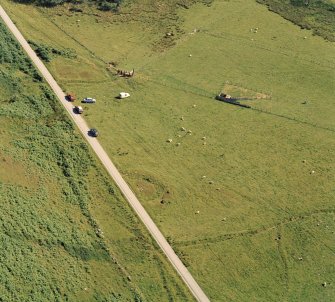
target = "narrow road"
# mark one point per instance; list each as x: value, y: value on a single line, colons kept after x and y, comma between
x: 113, y: 172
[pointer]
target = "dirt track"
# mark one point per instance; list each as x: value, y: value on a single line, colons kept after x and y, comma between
x: 114, y: 173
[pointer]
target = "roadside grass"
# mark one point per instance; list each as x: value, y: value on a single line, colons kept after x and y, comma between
x: 239, y: 171
x: 53, y: 245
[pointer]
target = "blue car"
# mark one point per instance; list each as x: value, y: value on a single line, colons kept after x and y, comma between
x: 93, y: 132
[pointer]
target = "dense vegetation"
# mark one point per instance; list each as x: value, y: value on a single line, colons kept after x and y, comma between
x: 52, y: 246
x: 101, y: 4
x: 46, y: 53
x: 318, y: 15
x: 27, y: 230
x: 10, y: 55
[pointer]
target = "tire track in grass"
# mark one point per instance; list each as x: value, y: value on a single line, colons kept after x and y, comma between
x: 253, y: 232
x: 187, y: 88
x: 319, y: 240
x: 283, y: 258
x: 93, y: 54
x: 329, y: 65
x: 292, y: 119
x: 163, y: 277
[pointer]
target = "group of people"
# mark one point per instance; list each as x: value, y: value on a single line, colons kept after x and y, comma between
x: 124, y: 73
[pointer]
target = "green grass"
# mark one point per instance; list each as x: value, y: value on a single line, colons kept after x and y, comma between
x: 257, y: 162
x: 66, y: 232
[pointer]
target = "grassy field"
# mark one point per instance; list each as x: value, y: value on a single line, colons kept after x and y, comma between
x: 66, y: 232
x: 236, y: 196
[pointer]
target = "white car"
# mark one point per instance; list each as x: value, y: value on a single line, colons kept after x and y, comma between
x: 124, y: 95
x: 88, y: 100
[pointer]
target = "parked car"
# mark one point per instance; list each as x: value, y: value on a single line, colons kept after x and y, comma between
x: 88, y: 100
x: 93, y: 132
x: 124, y: 95
x: 78, y: 109
x: 70, y: 97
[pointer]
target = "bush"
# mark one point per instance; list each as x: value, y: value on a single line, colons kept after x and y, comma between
x: 12, y: 53
x: 43, y: 53
x: 107, y: 6
x: 46, y: 53
x: 104, y: 5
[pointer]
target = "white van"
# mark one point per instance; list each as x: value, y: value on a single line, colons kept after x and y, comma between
x: 124, y: 95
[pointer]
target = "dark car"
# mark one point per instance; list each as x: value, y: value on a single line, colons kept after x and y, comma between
x: 78, y: 109
x: 93, y: 132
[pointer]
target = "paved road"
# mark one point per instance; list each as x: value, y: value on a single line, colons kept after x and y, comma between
x: 114, y: 173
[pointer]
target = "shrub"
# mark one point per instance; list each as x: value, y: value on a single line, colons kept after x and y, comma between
x: 102, y: 5
x: 46, y: 53
x: 106, y: 6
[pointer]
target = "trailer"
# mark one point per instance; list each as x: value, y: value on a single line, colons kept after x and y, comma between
x: 230, y: 100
